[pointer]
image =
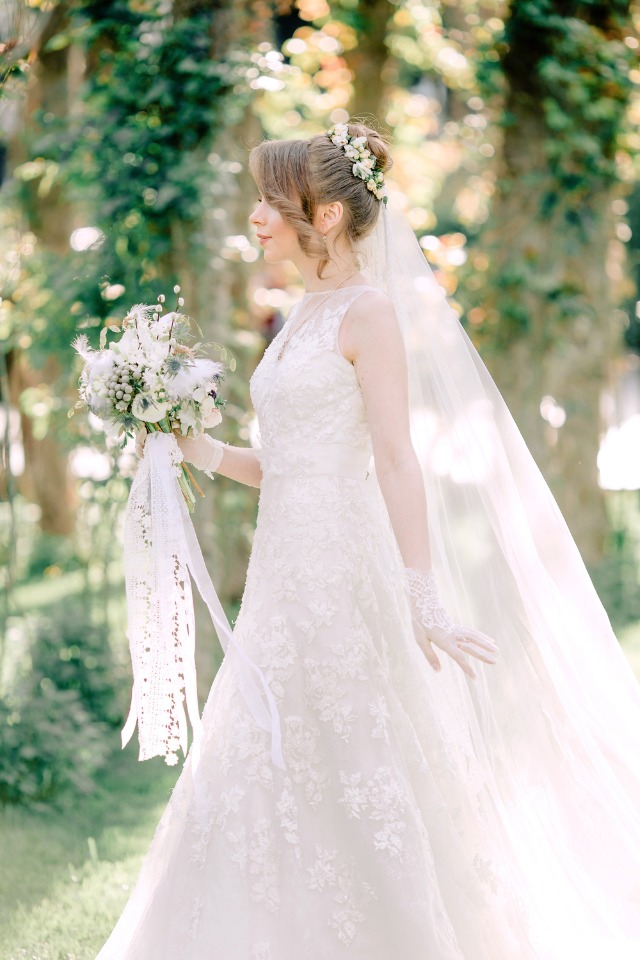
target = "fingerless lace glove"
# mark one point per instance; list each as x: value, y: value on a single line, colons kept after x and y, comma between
x: 204, y: 452
x: 426, y: 606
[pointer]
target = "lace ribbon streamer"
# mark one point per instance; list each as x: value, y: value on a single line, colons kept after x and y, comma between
x: 161, y: 555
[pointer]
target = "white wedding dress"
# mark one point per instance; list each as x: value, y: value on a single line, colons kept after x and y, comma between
x: 386, y: 836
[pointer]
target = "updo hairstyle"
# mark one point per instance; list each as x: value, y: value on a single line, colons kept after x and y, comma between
x: 297, y: 176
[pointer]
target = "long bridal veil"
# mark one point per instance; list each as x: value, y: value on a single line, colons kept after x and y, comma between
x: 557, y: 720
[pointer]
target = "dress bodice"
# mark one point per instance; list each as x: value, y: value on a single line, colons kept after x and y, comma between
x: 311, y: 395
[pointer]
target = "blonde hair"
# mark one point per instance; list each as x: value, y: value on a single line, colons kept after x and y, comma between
x: 296, y: 176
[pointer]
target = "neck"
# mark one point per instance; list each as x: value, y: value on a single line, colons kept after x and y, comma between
x: 337, y: 271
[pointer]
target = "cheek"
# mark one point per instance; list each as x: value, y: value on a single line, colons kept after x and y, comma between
x: 284, y: 233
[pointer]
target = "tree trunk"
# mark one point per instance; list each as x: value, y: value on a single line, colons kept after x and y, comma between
x: 46, y: 480
x: 46, y: 477
x: 367, y: 60
x: 548, y: 329
x: 560, y: 357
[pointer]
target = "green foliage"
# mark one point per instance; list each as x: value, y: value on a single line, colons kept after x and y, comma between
x: 48, y: 743
x: 560, y: 87
x: 56, y: 722
x: 572, y: 61
x: 155, y: 99
x: 133, y: 156
x: 71, y: 652
x: 617, y: 576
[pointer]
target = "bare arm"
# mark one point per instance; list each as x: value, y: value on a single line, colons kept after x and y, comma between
x: 237, y: 463
x: 371, y: 339
x: 241, y: 464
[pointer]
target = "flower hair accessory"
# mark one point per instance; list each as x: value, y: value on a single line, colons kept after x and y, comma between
x: 364, y: 162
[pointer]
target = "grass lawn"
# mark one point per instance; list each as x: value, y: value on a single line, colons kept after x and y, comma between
x: 66, y: 873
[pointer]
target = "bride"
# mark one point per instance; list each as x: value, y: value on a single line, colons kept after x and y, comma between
x: 420, y: 794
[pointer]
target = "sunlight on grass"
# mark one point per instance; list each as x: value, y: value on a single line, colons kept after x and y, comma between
x: 67, y: 873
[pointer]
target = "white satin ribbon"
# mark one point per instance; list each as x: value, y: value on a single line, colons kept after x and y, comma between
x: 161, y: 550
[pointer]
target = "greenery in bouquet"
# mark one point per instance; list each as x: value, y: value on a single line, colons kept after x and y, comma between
x: 154, y: 376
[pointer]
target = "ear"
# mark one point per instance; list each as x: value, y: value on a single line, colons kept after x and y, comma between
x: 328, y: 216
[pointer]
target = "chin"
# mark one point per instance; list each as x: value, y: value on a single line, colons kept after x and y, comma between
x: 274, y: 256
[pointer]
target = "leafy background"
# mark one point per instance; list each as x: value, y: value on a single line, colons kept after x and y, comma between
x: 124, y: 132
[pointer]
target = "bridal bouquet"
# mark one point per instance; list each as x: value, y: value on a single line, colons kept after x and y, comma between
x: 154, y: 377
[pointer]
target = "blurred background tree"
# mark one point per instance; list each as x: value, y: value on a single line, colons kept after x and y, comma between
x: 124, y: 132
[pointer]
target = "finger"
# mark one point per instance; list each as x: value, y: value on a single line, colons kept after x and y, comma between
x: 456, y: 654
x: 477, y: 636
x: 472, y: 636
x: 478, y: 654
x: 430, y: 654
x: 140, y: 439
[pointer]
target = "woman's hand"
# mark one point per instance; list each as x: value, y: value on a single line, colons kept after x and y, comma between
x: 203, y: 451
x: 140, y: 440
x: 432, y: 625
x: 457, y: 643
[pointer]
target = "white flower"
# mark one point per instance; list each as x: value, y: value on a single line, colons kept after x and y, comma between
x: 146, y: 408
x: 187, y: 418
x: 211, y: 416
x: 359, y: 142
x: 360, y: 170
x: 197, y: 373
x: 340, y: 134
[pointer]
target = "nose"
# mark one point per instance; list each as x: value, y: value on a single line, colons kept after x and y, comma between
x: 254, y: 217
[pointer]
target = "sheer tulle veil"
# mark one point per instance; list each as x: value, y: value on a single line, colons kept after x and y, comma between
x: 557, y: 719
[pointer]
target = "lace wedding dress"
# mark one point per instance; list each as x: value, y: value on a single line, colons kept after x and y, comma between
x: 386, y: 836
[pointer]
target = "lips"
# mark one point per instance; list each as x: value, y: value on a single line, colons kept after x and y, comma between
x: 262, y: 238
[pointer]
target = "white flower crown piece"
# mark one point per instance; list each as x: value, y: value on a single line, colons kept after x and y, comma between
x: 364, y: 162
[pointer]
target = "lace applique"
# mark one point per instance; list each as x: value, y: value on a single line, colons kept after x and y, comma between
x: 332, y: 397
x: 247, y: 750
x: 287, y: 810
x: 303, y: 760
x: 380, y: 713
x: 255, y: 854
x: 381, y: 798
x: 347, y: 889
x: 194, y: 919
x: 261, y: 951
x: 426, y: 603
x: 320, y: 613
x: 279, y: 653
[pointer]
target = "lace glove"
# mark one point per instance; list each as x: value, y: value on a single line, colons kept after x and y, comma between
x: 203, y: 451
x: 432, y: 620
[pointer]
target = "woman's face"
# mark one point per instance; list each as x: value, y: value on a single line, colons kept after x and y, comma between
x: 278, y: 238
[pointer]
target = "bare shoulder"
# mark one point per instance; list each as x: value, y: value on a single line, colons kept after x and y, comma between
x: 370, y: 320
